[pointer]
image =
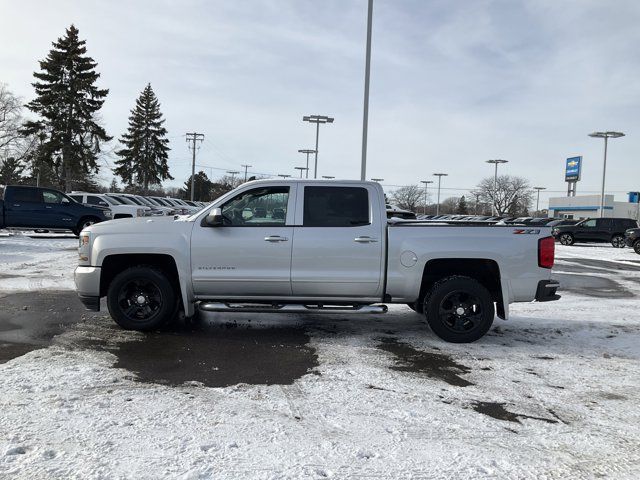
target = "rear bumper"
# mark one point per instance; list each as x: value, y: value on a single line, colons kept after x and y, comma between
x: 87, y: 281
x: 546, y: 291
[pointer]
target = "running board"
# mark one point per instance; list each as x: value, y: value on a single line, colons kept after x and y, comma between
x: 290, y: 308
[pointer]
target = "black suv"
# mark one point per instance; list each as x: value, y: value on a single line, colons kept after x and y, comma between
x: 595, y: 230
x: 632, y: 237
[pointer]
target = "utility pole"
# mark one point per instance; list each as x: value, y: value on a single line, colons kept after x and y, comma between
x: 194, y: 138
x: 426, y: 185
x: 307, y: 152
x: 233, y: 174
x: 367, y: 76
x: 538, y: 199
x: 439, y: 175
x: 245, y: 171
x: 317, y: 119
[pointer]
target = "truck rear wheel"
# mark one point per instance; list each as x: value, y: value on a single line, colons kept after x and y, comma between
x: 459, y: 309
x: 141, y: 298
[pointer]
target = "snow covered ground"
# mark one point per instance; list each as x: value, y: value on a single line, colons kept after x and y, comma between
x: 551, y: 393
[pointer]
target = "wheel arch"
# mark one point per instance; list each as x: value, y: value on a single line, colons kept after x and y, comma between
x: 116, y: 263
x: 486, y: 271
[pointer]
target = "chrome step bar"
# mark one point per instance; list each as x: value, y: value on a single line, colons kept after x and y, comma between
x: 290, y: 308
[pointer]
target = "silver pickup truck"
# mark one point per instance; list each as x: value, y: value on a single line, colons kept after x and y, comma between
x: 297, y: 246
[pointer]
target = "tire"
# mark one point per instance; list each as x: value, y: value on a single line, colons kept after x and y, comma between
x: 84, y: 223
x: 142, y: 298
x: 636, y: 247
x: 416, y: 306
x: 618, y: 241
x: 566, y: 239
x: 446, y: 299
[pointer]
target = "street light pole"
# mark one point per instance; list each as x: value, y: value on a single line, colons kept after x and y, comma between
x: 307, y: 151
x: 426, y: 185
x: 317, y: 119
x: 283, y: 176
x: 606, y: 136
x: 302, y: 169
x: 367, y: 76
x: 439, y: 175
x: 328, y: 177
x: 538, y: 198
x: 494, y: 208
x: 245, y: 171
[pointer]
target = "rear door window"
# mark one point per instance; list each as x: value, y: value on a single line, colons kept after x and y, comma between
x: 27, y: 195
x: 336, y: 207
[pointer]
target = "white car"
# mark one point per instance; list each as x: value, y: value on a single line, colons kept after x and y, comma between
x: 119, y: 210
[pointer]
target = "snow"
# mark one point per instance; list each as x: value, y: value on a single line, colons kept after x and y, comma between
x: 568, y: 369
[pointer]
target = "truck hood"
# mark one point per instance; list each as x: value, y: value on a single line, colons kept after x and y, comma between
x: 153, y: 225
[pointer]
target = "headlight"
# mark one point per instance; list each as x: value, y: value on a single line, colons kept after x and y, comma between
x: 107, y: 213
x: 140, y: 212
x: 84, y: 248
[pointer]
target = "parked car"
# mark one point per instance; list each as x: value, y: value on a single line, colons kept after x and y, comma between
x: 595, y: 230
x: 397, y: 212
x: 45, y: 208
x: 334, y: 252
x: 126, y: 200
x: 632, y: 239
x: 118, y: 208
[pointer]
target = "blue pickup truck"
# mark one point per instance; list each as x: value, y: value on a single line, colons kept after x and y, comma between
x: 46, y: 208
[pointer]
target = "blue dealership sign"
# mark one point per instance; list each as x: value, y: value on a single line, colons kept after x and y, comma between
x: 573, y: 169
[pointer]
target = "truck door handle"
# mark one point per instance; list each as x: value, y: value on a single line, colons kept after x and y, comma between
x: 275, y: 238
x: 16, y: 204
x: 365, y: 240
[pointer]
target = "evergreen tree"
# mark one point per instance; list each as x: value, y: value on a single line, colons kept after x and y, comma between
x: 67, y: 102
x: 11, y: 172
x: 113, y: 188
x: 462, y: 206
x: 143, y: 160
x: 201, y: 187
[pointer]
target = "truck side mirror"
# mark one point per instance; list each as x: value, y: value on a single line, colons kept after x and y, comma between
x: 214, y: 218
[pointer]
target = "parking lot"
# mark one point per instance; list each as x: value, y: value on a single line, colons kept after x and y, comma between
x: 550, y: 393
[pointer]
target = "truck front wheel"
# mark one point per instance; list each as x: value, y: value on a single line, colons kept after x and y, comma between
x: 636, y: 247
x: 141, y: 298
x: 459, y: 309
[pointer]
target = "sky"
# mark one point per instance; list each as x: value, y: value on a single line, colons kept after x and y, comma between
x: 452, y: 83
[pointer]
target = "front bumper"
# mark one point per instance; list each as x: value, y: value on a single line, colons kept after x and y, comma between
x: 546, y: 291
x: 87, y: 281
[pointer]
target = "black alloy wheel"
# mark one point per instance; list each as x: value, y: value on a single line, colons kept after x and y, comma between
x: 459, y: 309
x: 142, y: 298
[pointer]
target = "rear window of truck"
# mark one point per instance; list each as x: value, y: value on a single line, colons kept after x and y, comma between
x: 335, y: 207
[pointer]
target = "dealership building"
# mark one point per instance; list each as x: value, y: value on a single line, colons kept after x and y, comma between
x: 586, y: 206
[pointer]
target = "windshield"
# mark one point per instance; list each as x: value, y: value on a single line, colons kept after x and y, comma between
x: 125, y: 200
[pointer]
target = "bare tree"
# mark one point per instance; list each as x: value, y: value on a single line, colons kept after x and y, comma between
x: 449, y: 205
x: 510, y: 195
x: 10, y: 120
x: 410, y: 197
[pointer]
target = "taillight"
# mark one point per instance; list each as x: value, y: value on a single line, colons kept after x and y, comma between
x: 546, y: 252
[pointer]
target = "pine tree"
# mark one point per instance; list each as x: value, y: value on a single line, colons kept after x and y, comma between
x: 11, y: 171
x: 462, y: 206
x: 201, y: 187
x: 67, y: 102
x: 143, y: 160
x: 113, y: 188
